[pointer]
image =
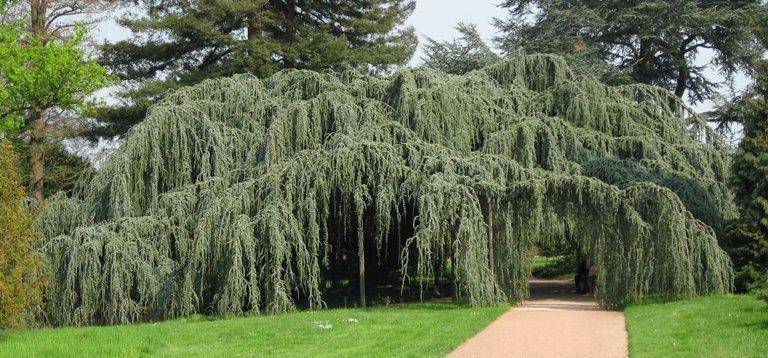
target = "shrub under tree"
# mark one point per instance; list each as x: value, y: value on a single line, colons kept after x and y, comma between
x: 20, y: 265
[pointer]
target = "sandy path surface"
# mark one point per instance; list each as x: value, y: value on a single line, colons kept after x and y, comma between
x: 554, y: 323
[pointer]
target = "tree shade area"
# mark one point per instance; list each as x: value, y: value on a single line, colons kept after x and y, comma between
x: 241, y: 195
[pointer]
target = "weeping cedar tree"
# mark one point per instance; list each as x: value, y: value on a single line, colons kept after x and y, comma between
x: 651, y: 42
x: 185, y: 42
x: 236, y: 195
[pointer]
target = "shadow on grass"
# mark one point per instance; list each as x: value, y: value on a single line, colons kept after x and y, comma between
x: 756, y: 311
x: 4, y: 335
x: 666, y: 299
x: 207, y: 318
x: 757, y: 325
x: 405, y: 306
x: 408, y: 306
x: 442, y: 306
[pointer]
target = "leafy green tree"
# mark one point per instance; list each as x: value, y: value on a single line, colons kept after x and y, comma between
x: 39, y: 73
x: 652, y: 42
x: 180, y: 43
x: 468, y: 52
x: 54, y: 18
x: 20, y: 279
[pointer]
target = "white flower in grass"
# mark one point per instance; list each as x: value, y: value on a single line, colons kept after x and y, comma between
x: 352, y: 320
x: 322, y: 325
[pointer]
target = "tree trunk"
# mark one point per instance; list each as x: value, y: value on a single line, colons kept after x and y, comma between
x: 644, y: 69
x: 37, y: 18
x: 682, y: 79
x: 36, y: 157
x: 491, y: 260
x: 361, y: 257
x: 454, y: 273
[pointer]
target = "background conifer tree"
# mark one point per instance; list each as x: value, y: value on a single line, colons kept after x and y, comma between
x: 178, y: 43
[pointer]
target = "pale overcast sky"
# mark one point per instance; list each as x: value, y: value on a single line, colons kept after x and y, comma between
x: 432, y: 18
x: 437, y: 19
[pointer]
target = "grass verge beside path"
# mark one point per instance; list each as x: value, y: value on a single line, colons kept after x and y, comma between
x: 428, y: 329
x: 711, y: 326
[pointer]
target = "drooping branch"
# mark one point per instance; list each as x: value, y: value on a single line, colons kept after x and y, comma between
x: 235, y: 195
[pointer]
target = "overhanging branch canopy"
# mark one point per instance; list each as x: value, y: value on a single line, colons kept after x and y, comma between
x: 233, y: 194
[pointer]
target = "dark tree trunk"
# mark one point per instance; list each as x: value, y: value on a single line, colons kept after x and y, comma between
x: 491, y: 260
x: 454, y: 273
x: 36, y: 157
x: 37, y: 18
x: 682, y: 79
x: 645, y: 65
x: 361, y: 257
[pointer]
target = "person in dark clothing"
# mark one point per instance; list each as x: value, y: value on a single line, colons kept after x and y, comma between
x: 581, y: 275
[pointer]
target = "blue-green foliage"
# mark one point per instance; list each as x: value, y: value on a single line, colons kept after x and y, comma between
x: 235, y: 194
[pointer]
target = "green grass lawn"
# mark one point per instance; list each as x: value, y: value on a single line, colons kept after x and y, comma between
x: 429, y: 329
x: 712, y: 326
x: 541, y: 261
x: 552, y: 267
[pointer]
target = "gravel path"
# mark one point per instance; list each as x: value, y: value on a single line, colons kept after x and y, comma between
x: 554, y: 323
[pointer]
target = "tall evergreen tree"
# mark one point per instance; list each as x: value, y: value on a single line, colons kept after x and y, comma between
x: 748, y: 239
x: 182, y: 42
x: 652, y: 42
x: 468, y: 52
